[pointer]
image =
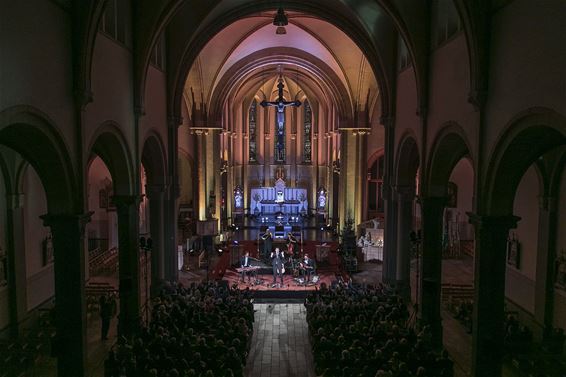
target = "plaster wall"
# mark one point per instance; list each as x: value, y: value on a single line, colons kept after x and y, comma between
x: 520, y: 282
x: 32, y: 76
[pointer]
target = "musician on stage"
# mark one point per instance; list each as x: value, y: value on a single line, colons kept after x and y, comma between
x: 308, y: 267
x: 278, y: 262
x: 267, y: 238
x: 245, y: 262
x: 292, y: 245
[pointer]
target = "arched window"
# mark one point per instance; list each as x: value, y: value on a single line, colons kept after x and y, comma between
x: 252, y: 131
x: 280, y: 136
x: 375, y: 185
x: 307, y: 123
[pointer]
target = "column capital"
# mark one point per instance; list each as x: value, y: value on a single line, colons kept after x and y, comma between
x: 493, y: 222
x: 63, y: 220
x: 126, y: 200
x: 429, y: 201
x: 405, y: 192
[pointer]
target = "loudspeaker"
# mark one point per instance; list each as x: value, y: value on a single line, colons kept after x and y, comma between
x: 279, y: 228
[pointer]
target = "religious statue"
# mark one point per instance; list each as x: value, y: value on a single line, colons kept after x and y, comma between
x: 321, y: 198
x: 238, y: 198
x: 280, y: 104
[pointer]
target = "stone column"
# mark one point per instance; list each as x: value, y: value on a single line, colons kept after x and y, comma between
x: 156, y: 195
x: 70, y: 308
x: 348, y: 177
x: 170, y: 202
x: 431, y: 276
x: 405, y: 197
x: 491, y: 247
x: 129, y: 263
x: 201, y: 174
x: 545, y: 274
x: 389, y: 271
x: 17, y: 284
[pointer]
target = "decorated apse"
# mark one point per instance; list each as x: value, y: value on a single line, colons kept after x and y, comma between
x: 284, y: 119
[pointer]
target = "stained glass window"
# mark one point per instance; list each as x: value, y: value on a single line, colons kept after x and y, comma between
x: 280, y: 136
x: 252, y: 131
x: 307, y: 123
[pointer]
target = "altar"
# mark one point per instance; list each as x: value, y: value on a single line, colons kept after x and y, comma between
x: 288, y: 201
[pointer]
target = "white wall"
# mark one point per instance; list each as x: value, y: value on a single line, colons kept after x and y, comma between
x: 520, y: 283
x: 40, y: 276
x: 103, y: 223
x: 463, y: 177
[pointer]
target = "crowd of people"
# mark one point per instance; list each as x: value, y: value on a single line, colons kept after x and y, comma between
x: 201, y: 330
x: 363, y: 332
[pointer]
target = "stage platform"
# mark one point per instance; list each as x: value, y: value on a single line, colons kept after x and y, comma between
x: 291, y: 288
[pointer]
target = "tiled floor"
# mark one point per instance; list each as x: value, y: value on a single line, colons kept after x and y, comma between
x: 280, y: 343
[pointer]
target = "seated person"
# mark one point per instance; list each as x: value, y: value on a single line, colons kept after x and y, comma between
x: 308, y: 267
x: 245, y: 262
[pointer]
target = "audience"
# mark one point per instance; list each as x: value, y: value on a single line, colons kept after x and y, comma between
x: 203, y: 330
x: 363, y: 332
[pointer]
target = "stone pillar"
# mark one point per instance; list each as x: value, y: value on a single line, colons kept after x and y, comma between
x: 156, y: 195
x: 349, y: 177
x: 170, y: 210
x: 405, y: 197
x: 545, y: 273
x: 17, y: 284
x: 491, y: 247
x: 201, y: 174
x: 389, y: 271
x: 129, y: 263
x: 70, y: 308
x: 431, y: 276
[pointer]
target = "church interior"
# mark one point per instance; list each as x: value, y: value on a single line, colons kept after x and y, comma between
x: 282, y: 188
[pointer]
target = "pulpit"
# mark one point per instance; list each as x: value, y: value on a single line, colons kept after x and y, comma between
x: 322, y: 252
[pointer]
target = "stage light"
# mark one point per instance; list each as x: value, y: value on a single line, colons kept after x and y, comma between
x: 321, y: 228
x: 237, y: 228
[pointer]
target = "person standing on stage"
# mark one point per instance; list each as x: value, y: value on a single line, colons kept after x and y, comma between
x: 267, y: 242
x: 292, y: 245
x: 245, y: 263
x: 277, y: 261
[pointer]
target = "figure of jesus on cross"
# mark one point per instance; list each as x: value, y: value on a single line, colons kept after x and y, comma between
x: 280, y: 104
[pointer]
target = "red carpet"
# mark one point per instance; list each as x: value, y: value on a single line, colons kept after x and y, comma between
x: 327, y: 271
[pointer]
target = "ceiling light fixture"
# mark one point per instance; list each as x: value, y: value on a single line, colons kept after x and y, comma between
x: 280, y: 21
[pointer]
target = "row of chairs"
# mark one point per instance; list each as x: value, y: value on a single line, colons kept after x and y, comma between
x: 93, y: 291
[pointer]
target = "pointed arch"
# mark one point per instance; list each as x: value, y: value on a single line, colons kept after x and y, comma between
x: 34, y: 136
x: 528, y: 136
x: 449, y: 147
x: 110, y: 145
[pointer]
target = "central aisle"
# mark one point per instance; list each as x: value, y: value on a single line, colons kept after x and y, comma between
x: 280, y: 343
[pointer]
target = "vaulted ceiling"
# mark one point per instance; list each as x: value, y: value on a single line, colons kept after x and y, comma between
x: 314, y: 57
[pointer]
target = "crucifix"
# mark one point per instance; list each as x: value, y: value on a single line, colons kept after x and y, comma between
x: 280, y: 104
